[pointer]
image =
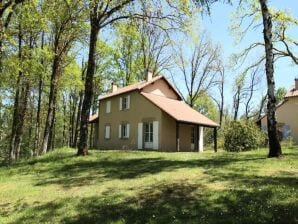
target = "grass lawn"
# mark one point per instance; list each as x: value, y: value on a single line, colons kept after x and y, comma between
x: 151, y: 187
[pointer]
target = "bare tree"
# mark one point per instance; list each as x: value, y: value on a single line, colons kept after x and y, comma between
x: 155, y: 40
x: 220, y: 86
x: 239, y: 93
x: 250, y: 90
x: 199, y: 75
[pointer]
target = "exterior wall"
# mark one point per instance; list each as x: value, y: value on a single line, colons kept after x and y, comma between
x: 287, y: 114
x: 161, y: 88
x: 168, y: 135
x: 140, y: 110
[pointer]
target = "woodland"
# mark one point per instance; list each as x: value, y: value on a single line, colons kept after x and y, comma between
x: 58, y: 56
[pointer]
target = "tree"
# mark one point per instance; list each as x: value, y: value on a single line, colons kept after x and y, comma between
x: 66, y: 29
x: 275, y: 24
x: 27, y: 67
x: 220, y: 85
x: 5, y: 18
x: 101, y: 15
x: 199, y: 71
x: 280, y: 94
x: 250, y: 90
x: 274, y: 145
x: 239, y: 93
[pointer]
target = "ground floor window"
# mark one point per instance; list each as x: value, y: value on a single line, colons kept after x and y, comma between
x: 124, y: 130
x: 148, y: 135
x: 192, y: 135
x: 107, y: 132
x: 149, y: 132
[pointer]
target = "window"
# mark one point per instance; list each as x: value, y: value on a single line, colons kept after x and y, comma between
x: 124, y: 131
x: 107, y: 132
x: 192, y: 135
x: 149, y: 132
x: 108, y: 107
x: 125, y: 103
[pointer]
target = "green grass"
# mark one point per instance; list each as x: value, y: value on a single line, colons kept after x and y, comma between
x: 151, y: 187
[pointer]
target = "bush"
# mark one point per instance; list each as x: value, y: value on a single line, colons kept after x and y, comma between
x: 243, y: 136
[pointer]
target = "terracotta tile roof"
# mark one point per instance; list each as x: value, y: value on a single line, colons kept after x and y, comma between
x: 292, y: 92
x: 132, y: 87
x: 136, y: 86
x: 179, y: 110
x: 93, y: 118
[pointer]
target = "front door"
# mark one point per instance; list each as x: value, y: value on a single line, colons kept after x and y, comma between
x: 148, y: 132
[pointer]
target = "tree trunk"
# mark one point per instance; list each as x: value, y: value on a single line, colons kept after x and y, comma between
x: 38, y: 123
x: 1, y: 41
x: 274, y: 145
x: 51, y: 140
x: 52, y: 104
x: 222, y: 102
x: 88, y: 93
x: 73, y: 118
x: 78, y: 120
x: 64, y: 141
x: 236, y: 104
x: 16, y: 110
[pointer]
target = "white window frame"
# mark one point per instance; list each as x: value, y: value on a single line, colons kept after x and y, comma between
x: 148, y: 132
x: 107, y: 133
x: 124, y: 102
x: 124, y: 130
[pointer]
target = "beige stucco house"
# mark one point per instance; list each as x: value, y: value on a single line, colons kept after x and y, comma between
x: 286, y: 115
x: 148, y: 115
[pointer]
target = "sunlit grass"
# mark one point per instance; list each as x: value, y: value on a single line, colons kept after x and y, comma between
x: 151, y: 187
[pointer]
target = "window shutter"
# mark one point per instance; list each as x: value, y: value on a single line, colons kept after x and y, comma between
x: 120, y: 103
x: 107, y: 132
x: 127, y: 130
x: 155, y: 134
x: 201, y: 139
x: 128, y: 102
x: 120, y: 129
x: 108, y: 107
x: 140, y: 135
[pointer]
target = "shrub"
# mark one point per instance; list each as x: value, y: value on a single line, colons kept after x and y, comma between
x: 243, y: 136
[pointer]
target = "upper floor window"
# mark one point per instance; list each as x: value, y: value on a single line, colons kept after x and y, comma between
x: 108, y: 107
x: 124, y: 103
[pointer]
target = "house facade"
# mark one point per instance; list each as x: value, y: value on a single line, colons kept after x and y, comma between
x: 286, y: 115
x: 149, y: 115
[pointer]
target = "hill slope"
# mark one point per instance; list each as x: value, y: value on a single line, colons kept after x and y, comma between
x: 151, y: 187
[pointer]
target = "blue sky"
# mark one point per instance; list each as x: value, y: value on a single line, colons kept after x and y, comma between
x: 218, y: 27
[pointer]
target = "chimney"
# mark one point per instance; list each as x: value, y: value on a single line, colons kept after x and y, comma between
x: 149, y: 75
x: 296, y: 83
x: 114, y: 87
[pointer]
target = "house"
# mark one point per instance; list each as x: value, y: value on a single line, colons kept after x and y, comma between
x: 286, y: 115
x: 148, y: 115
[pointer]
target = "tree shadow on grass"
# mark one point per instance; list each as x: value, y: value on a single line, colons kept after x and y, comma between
x: 84, y: 172
x: 169, y: 203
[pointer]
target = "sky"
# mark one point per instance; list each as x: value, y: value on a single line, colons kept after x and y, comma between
x: 218, y: 27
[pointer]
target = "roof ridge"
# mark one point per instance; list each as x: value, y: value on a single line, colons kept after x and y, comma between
x: 151, y: 93
x: 135, y: 86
